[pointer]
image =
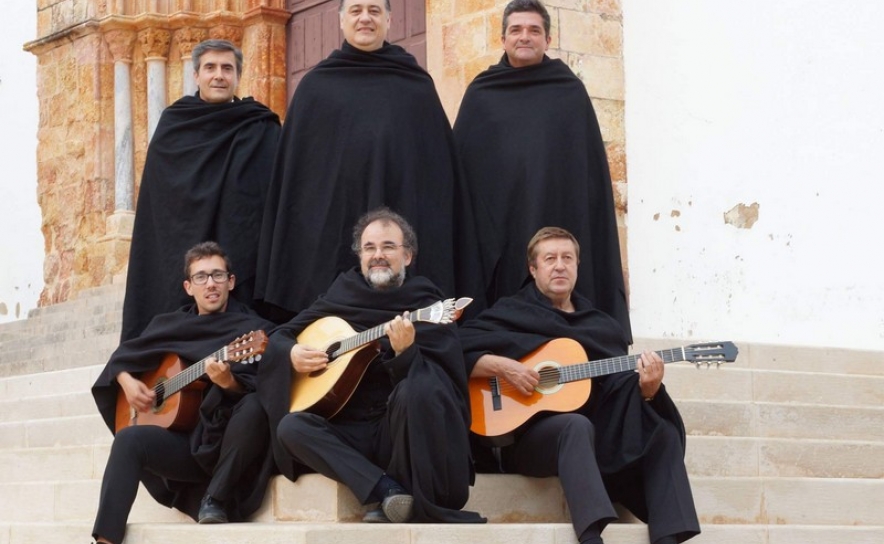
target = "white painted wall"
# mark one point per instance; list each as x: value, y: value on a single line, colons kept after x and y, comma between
x: 21, y: 242
x: 775, y: 103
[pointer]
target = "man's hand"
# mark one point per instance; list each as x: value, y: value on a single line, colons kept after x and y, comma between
x: 650, y: 373
x: 220, y: 374
x: 137, y: 394
x: 521, y: 377
x: 307, y: 359
x: 401, y: 333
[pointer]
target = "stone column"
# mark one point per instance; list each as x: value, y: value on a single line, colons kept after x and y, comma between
x: 187, y: 38
x: 155, y: 45
x: 120, y: 44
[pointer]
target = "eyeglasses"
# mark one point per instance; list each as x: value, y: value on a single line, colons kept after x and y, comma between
x: 201, y: 278
x: 386, y: 249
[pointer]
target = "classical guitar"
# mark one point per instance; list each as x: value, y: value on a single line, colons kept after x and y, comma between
x: 498, y: 409
x: 179, y: 394
x: 325, y: 391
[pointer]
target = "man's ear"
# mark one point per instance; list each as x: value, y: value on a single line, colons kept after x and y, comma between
x: 188, y: 288
x: 232, y: 281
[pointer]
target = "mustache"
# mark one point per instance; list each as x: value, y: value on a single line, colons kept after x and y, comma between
x: 379, y: 262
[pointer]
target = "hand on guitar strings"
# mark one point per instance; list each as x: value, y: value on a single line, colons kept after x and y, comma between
x: 137, y: 393
x: 650, y: 373
x: 307, y: 359
x: 220, y: 374
x: 401, y: 333
x: 522, y: 377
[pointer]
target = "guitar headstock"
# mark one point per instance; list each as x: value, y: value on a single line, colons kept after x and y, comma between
x: 444, y: 311
x: 711, y: 353
x: 247, y: 348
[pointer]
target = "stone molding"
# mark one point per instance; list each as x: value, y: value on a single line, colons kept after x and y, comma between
x: 155, y: 43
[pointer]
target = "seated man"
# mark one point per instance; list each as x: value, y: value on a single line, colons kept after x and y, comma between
x: 626, y: 444
x: 402, y: 437
x: 225, y: 459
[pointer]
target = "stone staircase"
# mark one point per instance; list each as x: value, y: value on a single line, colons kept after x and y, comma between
x: 786, y: 446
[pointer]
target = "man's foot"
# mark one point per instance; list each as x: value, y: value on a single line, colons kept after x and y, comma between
x: 212, y: 511
x: 398, y: 505
x: 376, y: 516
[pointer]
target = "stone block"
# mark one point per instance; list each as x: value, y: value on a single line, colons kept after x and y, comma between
x: 590, y: 34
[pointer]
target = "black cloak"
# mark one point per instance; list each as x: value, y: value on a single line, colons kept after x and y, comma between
x: 624, y: 422
x: 205, y: 178
x: 439, y: 479
x: 364, y: 130
x: 532, y: 152
x: 192, y: 337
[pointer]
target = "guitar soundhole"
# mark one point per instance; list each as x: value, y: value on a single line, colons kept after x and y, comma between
x: 161, y: 397
x: 549, y: 377
x: 330, y: 351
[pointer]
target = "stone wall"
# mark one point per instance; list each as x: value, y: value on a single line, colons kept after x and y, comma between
x: 463, y: 39
x: 85, y: 222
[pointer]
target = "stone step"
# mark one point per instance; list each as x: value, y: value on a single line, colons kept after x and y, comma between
x: 500, y: 498
x: 768, y: 419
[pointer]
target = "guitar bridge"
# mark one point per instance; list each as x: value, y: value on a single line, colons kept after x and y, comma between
x: 495, y: 394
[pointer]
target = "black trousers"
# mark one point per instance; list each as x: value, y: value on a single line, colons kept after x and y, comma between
x: 350, y: 452
x: 151, y: 449
x: 563, y: 445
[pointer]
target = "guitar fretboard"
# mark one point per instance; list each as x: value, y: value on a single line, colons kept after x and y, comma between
x: 603, y: 367
x: 370, y: 335
x: 187, y: 376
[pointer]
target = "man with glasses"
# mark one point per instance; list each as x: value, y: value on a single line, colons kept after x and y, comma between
x: 205, y: 177
x: 401, y: 438
x: 217, y: 471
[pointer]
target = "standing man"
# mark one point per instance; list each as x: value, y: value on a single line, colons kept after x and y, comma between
x: 401, y: 438
x: 217, y: 471
x: 626, y: 444
x: 365, y: 128
x: 531, y: 149
x: 205, y: 178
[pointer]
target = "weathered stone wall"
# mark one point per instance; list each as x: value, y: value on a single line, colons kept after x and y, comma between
x: 86, y: 230
x: 463, y: 39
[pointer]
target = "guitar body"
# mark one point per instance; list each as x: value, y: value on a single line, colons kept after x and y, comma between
x: 498, y: 408
x: 178, y: 412
x: 325, y: 392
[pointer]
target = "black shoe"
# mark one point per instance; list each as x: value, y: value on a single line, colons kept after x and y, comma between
x: 398, y: 505
x: 212, y: 511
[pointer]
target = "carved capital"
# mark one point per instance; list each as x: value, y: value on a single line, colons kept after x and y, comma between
x: 188, y: 37
x: 120, y: 44
x: 155, y: 42
x: 231, y: 33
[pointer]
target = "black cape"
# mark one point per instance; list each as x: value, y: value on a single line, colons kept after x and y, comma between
x: 532, y: 151
x: 517, y: 325
x: 438, y: 479
x: 192, y: 337
x: 205, y: 178
x: 364, y: 130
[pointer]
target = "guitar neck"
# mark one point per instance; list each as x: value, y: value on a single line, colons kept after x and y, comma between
x: 603, y: 367
x: 370, y: 335
x: 192, y: 373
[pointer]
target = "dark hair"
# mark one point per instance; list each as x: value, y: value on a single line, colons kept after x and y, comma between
x: 520, y: 6
x: 216, y: 45
x: 386, y: 216
x: 386, y: 6
x: 204, y: 250
x: 547, y: 233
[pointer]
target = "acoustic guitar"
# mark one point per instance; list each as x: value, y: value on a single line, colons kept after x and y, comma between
x: 499, y: 410
x: 178, y: 393
x: 324, y: 392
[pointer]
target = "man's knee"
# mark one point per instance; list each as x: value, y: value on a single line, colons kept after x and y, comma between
x: 296, y: 429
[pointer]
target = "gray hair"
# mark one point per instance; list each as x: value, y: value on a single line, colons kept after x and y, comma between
x: 216, y: 45
x: 386, y: 216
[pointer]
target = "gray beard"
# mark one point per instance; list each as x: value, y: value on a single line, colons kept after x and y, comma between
x: 385, y: 279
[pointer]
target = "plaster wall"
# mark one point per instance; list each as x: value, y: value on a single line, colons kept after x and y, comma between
x: 21, y: 241
x: 754, y: 138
